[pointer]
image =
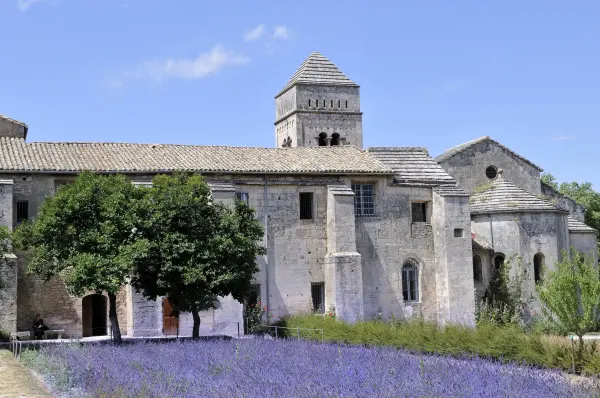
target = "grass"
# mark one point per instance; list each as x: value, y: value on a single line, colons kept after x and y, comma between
x: 487, y: 341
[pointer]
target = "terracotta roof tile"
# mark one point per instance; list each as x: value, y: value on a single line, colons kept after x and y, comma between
x: 17, y: 155
x: 578, y: 226
x: 500, y: 196
x: 412, y: 166
x: 317, y: 69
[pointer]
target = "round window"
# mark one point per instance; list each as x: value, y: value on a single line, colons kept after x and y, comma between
x: 491, y: 172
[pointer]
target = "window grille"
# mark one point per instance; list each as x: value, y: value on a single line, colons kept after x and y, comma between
x: 22, y: 211
x: 364, y: 199
x: 318, y: 296
x: 410, y: 281
x: 306, y: 205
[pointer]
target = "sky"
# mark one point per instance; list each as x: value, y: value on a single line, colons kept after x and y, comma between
x: 432, y: 74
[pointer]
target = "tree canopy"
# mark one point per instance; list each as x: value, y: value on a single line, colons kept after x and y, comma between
x: 582, y: 193
x: 84, y: 234
x: 571, y: 294
x: 195, y: 248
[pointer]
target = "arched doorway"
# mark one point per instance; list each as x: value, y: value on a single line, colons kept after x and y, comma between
x: 94, y: 314
x: 170, y: 320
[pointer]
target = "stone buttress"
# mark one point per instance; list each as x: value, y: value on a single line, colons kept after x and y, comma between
x: 343, y: 264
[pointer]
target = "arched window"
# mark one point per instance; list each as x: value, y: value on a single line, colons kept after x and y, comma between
x: 410, y: 281
x: 308, y: 102
x: 498, y: 261
x: 335, y: 139
x: 538, y: 263
x: 322, y: 139
x: 317, y: 103
x: 287, y: 142
x: 477, y: 274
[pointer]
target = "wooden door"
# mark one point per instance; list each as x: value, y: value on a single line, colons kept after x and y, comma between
x: 170, y: 322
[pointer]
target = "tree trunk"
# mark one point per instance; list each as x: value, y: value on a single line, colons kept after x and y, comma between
x: 580, y: 353
x: 114, y: 320
x: 196, y: 327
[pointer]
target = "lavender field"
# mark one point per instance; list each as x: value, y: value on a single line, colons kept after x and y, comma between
x: 280, y: 368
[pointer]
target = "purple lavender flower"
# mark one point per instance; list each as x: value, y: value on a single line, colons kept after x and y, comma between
x: 280, y: 368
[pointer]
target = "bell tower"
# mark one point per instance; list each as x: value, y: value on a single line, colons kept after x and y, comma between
x: 319, y: 106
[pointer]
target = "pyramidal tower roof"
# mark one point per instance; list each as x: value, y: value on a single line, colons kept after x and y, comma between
x: 317, y: 69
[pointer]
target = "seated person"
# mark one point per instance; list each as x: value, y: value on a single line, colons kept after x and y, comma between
x: 38, y: 327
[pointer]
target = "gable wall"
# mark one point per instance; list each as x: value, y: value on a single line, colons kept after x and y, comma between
x: 468, y: 168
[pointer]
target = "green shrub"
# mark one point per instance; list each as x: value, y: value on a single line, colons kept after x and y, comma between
x: 508, y: 343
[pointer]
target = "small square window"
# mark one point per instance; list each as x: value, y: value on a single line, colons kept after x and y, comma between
x: 419, y: 212
x: 458, y: 232
x: 306, y: 205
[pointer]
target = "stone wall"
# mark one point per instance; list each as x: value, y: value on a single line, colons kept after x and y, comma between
x: 8, y: 293
x: 586, y: 243
x: 302, y: 122
x: 564, y: 202
x: 520, y: 236
x: 385, y: 242
x: 453, y: 259
x: 50, y: 299
x: 468, y: 167
x: 11, y: 129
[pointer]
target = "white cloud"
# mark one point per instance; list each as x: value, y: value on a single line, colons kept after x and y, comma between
x: 562, y: 138
x: 281, y: 32
x: 25, y: 4
x: 254, y: 34
x: 203, y: 65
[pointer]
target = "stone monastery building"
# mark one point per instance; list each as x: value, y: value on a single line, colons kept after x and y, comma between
x: 388, y: 229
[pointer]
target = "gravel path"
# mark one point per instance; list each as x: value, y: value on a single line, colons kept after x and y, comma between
x: 16, y: 380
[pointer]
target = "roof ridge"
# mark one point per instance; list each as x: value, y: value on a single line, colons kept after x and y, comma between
x: 464, y: 146
x: 398, y: 149
x: 110, y: 143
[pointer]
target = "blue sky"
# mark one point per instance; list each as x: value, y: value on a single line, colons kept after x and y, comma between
x: 432, y: 74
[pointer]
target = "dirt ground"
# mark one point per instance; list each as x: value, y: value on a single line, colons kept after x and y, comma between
x: 16, y: 380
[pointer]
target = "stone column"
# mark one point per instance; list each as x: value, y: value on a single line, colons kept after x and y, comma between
x: 455, y: 288
x: 343, y: 264
x: 8, y: 264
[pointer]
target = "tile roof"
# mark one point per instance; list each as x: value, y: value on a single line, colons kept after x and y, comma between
x: 412, y: 165
x: 500, y: 196
x: 449, y: 190
x: 459, y: 148
x: 578, y: 226
x: 317, y: 69
x: 13, y: 120
x: 479, y: 242
x: 17, y: 155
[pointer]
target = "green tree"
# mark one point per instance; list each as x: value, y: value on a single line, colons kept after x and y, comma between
x: 84, y: 234
x: 195, y: 249
x: 571, y: 295
x: 582, y: 193
x: 5, y: 249
x: 504, y: 301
